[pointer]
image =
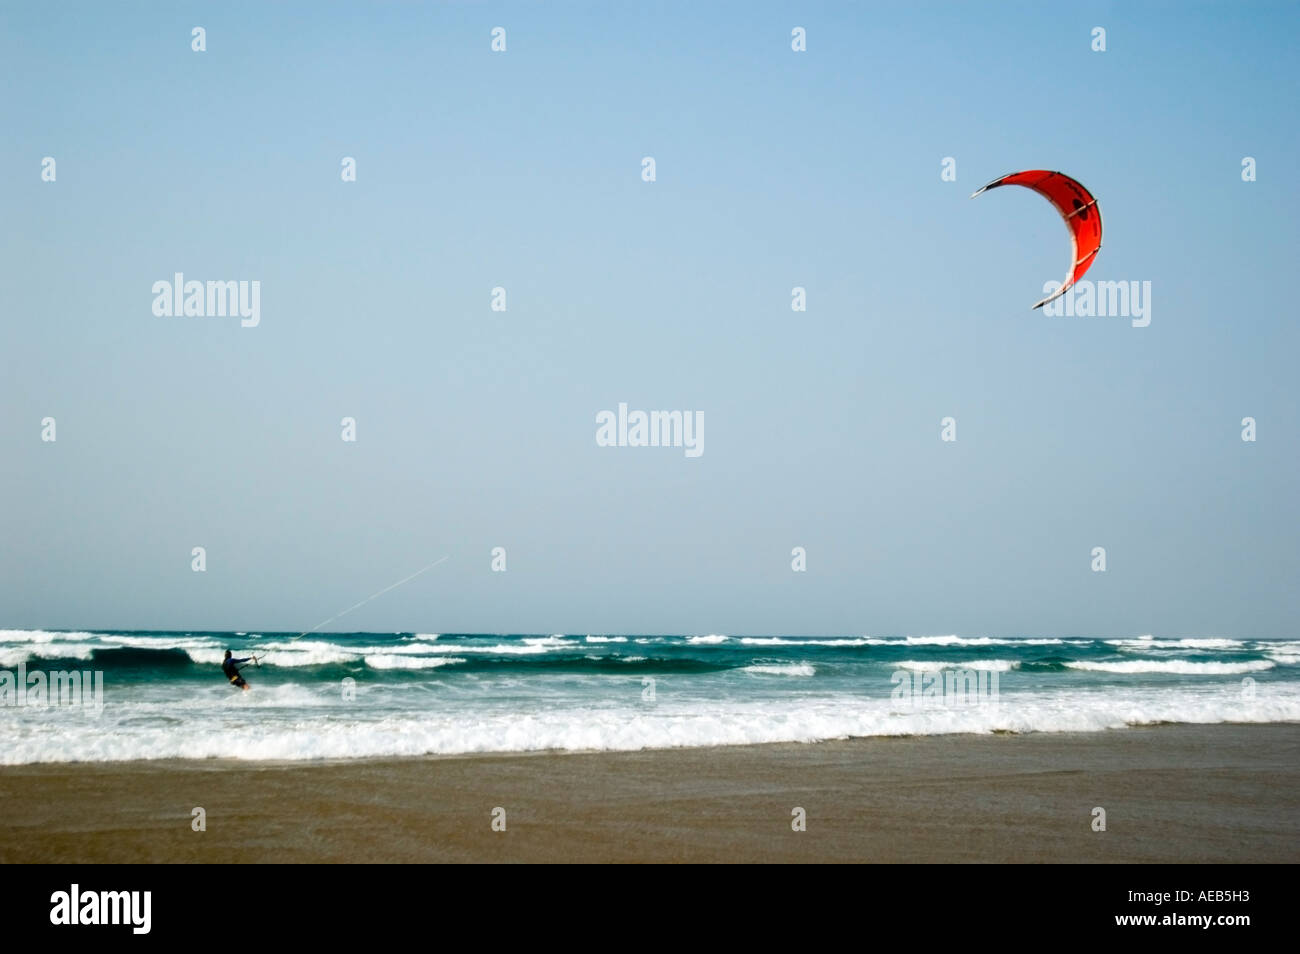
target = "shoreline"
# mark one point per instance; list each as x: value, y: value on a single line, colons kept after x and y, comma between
x: 340, y: 761
x: 1172, y: 793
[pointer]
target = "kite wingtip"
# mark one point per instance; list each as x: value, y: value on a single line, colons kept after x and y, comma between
x: 1053, y: 296
x: 988, y: 185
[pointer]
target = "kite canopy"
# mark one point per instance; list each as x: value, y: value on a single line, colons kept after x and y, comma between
x: 1077, y: 206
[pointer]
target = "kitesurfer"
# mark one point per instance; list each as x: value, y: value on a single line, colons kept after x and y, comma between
x: 230, y: 666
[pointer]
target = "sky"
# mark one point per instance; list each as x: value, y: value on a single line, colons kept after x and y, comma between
x: 523, y: 169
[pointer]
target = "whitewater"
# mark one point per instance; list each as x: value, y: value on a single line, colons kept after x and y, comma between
x: 361, y: 695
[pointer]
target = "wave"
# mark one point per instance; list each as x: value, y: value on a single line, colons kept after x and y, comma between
x: 1045, y: 664
x: 1183, y: 666
x: 381, y: 661
x: 960, y: 641
x: 970, y: 641
x: 43, y: 635
x: 467, y: 658
x: 11, y: 656
x: 988, y: 665
x: 297, y: 700
x: 320, y: 653
x: 710, y: 640
x: 594, y: 664
x: 505, y: 649
x: 558, y: 639
x: 1149, y: 642
x: 786, y: 669
x: 293, y: 723
x: 158, y: 642
x: 795, y: 641
x: 284, y: 655
x: 850, y: 642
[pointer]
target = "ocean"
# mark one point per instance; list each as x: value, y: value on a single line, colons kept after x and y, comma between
x: 359, y: 695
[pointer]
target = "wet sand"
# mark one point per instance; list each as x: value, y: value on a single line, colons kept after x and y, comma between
x: 1222, y: 793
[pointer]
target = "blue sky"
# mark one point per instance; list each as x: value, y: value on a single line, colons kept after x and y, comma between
x: 521, y: 169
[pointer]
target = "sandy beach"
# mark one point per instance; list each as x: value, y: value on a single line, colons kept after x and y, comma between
x: 1221, y: 793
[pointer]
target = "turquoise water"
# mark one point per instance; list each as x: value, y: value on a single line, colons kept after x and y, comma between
x: 370, y: 694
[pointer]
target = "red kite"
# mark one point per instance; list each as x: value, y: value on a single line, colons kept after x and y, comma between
x: 1077, y: 206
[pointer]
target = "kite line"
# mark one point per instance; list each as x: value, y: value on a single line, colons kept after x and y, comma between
x: 372, y: 597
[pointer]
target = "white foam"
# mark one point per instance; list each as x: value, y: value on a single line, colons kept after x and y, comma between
x: 795, y: 641
x: 35, y: 652
x: 292, y: 723
x: 43, y: 636
x: 787, y: 669
x: 507, y: 649
x: 1148, y: 642
x: 158, y: 642
x: 1176, y: 666
x: 988, y: 665
x: 710, y: 640
x: 558, y: 639
x: 380, y: 661
x: 606, y: 639
x: 851, y: 641
x: 400, y: 649
x: 973, y: 641
x: 12, y: 657
x: 320, y: 653
x: 304, y: 653
x: 292, y: 697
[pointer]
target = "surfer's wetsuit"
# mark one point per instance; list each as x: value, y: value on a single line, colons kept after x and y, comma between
x: 232, y: 671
